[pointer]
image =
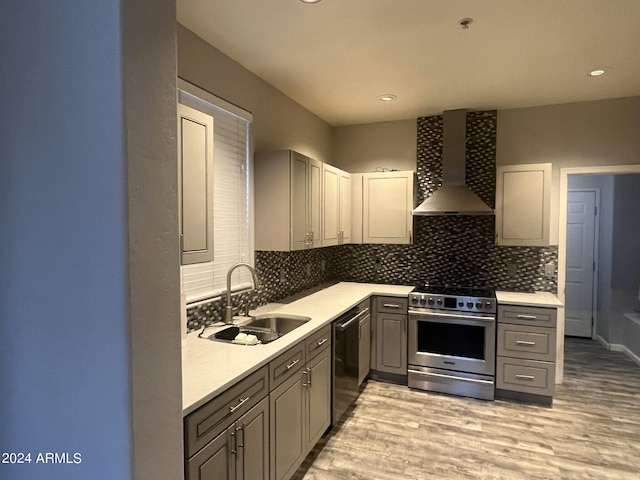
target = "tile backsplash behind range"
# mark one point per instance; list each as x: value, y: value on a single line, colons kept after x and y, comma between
x: 455, y: 250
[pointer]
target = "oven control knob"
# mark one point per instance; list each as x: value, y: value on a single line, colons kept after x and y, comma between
x: 469, y: 304
x: 478, y: 304
x: 430, y: 301
x: 423, y: 300
x: 439, y: 301
x: 414, y: 300
x: 488, y: 305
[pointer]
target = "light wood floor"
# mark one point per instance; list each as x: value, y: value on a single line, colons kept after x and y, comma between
x: 592, y: 431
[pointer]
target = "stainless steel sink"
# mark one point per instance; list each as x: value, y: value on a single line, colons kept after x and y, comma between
x: 267, y: 327
x: 274, y: 322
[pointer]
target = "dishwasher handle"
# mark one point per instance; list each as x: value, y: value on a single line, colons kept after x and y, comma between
x: 341, y: 327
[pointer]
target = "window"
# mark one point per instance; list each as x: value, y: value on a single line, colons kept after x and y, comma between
x: 232, y: 238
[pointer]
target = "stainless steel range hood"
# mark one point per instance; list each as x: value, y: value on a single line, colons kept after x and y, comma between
x: 454, y: 197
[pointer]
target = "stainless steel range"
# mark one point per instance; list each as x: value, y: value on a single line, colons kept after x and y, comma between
x: 452, y: 340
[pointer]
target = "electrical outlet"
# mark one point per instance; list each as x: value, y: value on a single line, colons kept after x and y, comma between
x: 550, y: 270
x: 512, y: 269
x: 377, y: 266
x: 283, y: 275
x: 308, y: 269
x: 323, y: 265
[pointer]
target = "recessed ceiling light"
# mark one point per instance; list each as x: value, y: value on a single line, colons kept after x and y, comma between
x: 387, y: 98
x: 596, y: 73
x: 310, y: 1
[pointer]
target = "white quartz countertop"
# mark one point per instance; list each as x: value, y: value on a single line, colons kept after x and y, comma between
x: 536, y: 299
x: 210, y: 367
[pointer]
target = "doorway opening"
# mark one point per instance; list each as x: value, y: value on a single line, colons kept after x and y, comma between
x: 616, y: 274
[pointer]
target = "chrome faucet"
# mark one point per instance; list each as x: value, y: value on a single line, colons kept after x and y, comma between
x: 256, y: 284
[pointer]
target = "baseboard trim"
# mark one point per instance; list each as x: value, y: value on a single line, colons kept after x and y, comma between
x: 618, y: 347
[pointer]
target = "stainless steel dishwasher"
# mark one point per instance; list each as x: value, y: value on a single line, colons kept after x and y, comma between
x: 346, y: 358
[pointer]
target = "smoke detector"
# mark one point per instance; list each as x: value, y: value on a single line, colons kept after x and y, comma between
x: 465, y: 22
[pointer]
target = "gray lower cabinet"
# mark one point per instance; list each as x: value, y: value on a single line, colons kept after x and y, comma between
x: 526, y: 353
x: 391, y: 335
x: 300, y: 406
x: 241, y: 451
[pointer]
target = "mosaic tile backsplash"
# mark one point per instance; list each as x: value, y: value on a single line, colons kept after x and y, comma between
x: 452, y: 250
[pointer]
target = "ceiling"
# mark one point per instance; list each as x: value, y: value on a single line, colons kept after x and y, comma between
x: 337, y: 57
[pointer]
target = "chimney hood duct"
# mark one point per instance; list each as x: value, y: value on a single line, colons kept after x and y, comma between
x: 454, y: 197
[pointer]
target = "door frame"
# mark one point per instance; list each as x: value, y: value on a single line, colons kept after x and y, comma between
x: 596, y: 251
x: 562, y: 243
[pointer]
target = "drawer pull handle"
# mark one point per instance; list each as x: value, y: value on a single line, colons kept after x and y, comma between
x: 527, y: 317
x: 525, y: 343
x: 290, y: 365
x: 236, y: 407
x: 391, y: 305
x: 322, y: 342
x: 525, y: 377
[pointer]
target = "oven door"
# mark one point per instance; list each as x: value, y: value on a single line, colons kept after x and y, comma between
x: 462, y: 342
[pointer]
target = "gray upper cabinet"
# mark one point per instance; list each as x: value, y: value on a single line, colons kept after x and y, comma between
x: 336, y: 206
x: 195, y: 157
x: 288, y: 189
x: 523, y: 198
x: 382, y: 205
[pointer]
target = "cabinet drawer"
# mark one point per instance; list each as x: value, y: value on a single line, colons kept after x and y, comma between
x: 521, y: 341
x: 286, y: 365
x: 318, y: 341
x: 536, y: 316
x: 211, y: 419
x: 392, y: 305
x: 527, y: 376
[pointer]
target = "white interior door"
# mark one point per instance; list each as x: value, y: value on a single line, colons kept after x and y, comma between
x: 579, y: 286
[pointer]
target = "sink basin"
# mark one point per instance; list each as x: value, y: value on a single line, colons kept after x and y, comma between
x: 267, y: 327
x: 273, y: 322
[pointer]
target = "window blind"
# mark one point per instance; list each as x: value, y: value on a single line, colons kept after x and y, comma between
x: 232, y: 239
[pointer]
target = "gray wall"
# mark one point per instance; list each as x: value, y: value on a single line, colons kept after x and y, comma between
x: 89, y: 239
x: 279, y: 122
x: 365, y: 148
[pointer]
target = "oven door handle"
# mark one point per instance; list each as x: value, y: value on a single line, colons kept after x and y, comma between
x: 482, y: 318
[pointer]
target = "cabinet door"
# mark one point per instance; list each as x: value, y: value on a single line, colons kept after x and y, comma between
x: 330, y: 205
x: 252, y: 433
x: 314, y: 175
x: 299, y: 202
x: 365, y: 349
x: 195, y: 157
x: 215, y: 461
x: 387, y: 205
x: 318, y: 398
x: 287, y: 431
x: 391, y: 343
x: 345, y: 207
x: 523, y: 195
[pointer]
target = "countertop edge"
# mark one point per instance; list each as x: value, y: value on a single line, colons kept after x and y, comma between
x: 536, y: 299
